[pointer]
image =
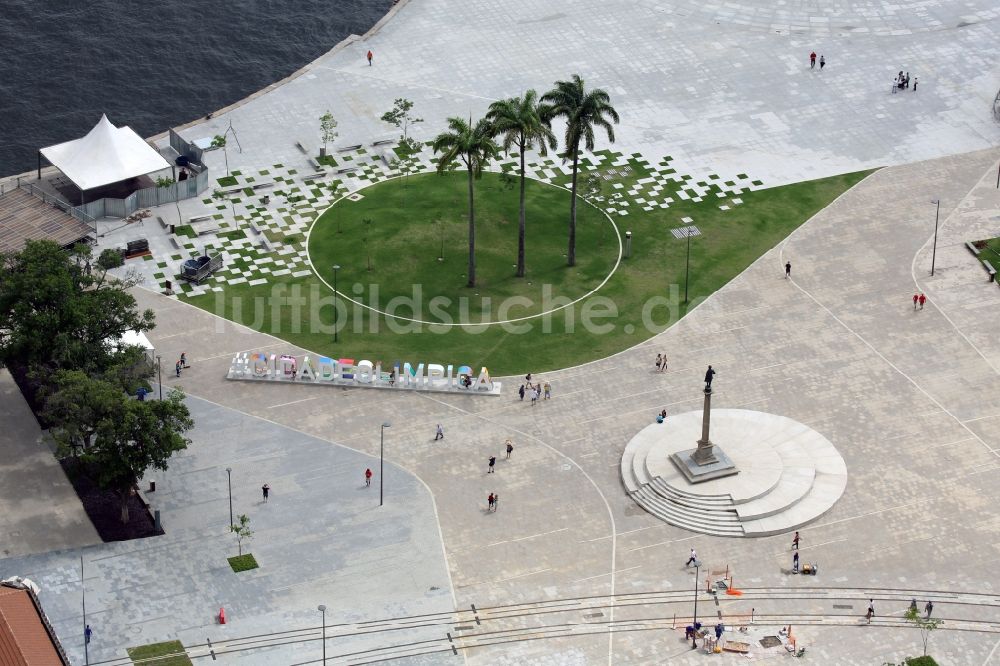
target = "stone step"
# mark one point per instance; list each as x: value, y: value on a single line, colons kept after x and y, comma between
x: 628, y: 476
x: 718, y: 523
x: 639, y: 453
x: 825, y: 491
x: 667, y: 491
x: 794, y: 484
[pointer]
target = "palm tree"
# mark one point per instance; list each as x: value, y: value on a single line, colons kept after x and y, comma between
x: 472, y: 145
x: 520, y: 122
x: 582, y: 111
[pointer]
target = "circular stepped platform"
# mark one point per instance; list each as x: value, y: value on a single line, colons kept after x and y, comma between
x: 789, y: 474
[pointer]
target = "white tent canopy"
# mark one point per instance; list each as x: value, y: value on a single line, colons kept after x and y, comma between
x: 107, y: 154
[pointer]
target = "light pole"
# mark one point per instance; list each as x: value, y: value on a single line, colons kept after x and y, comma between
x: 86, y: 627
x: 159, y: 375
x: 336, y: 310
x: 381, y: 459
x: 229, y: 473
x: 694, y: 621
x: 322, y: 609
x: 937, y: 214
x: 687, y: 264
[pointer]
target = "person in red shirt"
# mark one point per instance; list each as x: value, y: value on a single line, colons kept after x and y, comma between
x: 923, y: 299
x: 368, y: 477
x: 916, y: 299
x: 370, y: 56
x: 812, y: 60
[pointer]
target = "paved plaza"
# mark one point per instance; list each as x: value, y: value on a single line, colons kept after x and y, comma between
x: 908, y: 397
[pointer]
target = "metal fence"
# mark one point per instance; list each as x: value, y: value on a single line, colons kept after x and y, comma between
x: 183, y: 147
x: 74, y: 211
x: 149, y: 197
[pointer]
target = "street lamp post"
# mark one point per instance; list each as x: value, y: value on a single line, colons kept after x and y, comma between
x: 159, y: 375
x: 381, y: 459
x: 694, y: 621
x: 322, y: 609
x: 687, y: 264
x: 336, y: 310
x: 937, y: 215
x: 229, y: 473
x: 86, y: 627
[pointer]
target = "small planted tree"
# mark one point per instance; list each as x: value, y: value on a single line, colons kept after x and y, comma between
x: 327, y: 129
x: 219, y: 141
x: 242, y: 531
x: 367, y: 222
x: 164, y: 183
x: 400, y: 115
x: 925, y: 624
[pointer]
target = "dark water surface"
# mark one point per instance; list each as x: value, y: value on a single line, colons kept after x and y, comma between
x: 150, y: 64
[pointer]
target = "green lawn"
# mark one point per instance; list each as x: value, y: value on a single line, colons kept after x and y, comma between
x: 404, y: 243
x: 243, y: 562
x: 990, y: 251
x: 147, y: 654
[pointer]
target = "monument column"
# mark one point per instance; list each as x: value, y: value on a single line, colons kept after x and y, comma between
x: 705, y: 453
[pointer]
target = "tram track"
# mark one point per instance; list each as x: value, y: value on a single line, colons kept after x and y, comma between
x: 474, y: 628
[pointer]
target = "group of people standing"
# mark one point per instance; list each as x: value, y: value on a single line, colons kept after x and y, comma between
x: 534, y: 391
x: 494, y: 497
x: 902, y: 82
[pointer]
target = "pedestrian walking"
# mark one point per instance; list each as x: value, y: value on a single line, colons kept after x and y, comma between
x: 527, y: 379
x: 370, y: 56
x: 534, y: 396
x: 923, y: 299
x: 490, y: 500
x: 520, y: 392
x: 914, y: 84
x: 493, y: 461
x: 795, y: 562
x: 368, y: 477
x: 788, y: 269
x: 692, y: 559
x: 913, y: 605
x: 177, y: 368
x: 822, y: 63
x: 659, y: 359
x: 548, y: 391
x: 795, y: 541
x: 906, y: 80
x: 439, y: 434
x: 928, y: 609
x: 871, y: 610
x: 496, y: 501
x: 87, y: 634
x: 663, y: 366
x: 266, y: 490
x: 916, y: 299
x: 184, y: 360
x: 709, y: 375
x: 812, y: 60
x: 510, y: 449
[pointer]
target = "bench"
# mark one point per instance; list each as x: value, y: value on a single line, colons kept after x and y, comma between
x: 266, y: 244
x: 972, y: 248
x: 389, y: 156
x: 314, y: 163
x: 344, y: 149
x: 302, y: 147
x: 989, y: 269
x: 261, y: 186
x: 347, y: 169
x: 163, y: 224
x: 231, y: 190
x: 383, y: 142
x: 208, y: 226
x: 199, y: 218
x: 312, y: 177
x: 177, y: 246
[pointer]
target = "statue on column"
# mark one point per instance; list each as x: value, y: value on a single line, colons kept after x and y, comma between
x: 709, y: 374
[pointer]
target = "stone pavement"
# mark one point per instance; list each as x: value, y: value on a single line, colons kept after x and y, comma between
x: 321, y: 538
x: 720, y: 87
x: 40, y: 510
x: 903, y: 395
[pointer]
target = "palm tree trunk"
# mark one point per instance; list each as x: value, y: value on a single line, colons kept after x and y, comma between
x: 571, y: 255
x: 520, y: 228
x: 472, y: 235
x: 123, y: 497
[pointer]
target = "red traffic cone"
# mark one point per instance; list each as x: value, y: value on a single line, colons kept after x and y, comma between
x: 222, y: 615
